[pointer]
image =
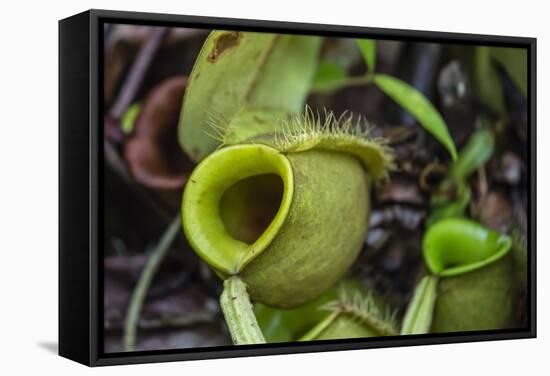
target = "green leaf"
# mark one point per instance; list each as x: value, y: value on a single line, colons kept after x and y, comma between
x: 243, y: 70
x: 486, y: 80
x: 514, y: 61
x: 327, y: 76
x: 284, y: 325
x: 129, y: 118
x: 368, y: 50
x: 419, y: 106
x: 475, y: 154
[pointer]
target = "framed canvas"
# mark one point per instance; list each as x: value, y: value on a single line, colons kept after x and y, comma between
x: 236, y: 187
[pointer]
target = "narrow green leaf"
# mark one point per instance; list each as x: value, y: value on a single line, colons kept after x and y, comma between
x: 285, y: 325
x: 514, y: 61
x: 487, y: 83
x: 418, y: 317
x: 315, y: 332
x: 475, y: 154
x: 485, y: 79
x: 368, y: 50
x: 327, y: 76
x: 129, y: 118
x: 419, y: 106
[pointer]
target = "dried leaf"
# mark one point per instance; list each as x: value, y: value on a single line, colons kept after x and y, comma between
x: 153, y: 155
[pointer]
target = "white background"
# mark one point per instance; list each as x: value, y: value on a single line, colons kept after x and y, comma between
x: 28, y: 186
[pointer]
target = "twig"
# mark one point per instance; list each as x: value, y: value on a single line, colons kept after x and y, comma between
x: 113, y: 133
x: 140, y: 292
x: 137, y: 72
x: 113, y: 158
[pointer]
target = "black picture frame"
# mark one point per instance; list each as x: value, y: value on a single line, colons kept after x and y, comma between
x: 81, y: 181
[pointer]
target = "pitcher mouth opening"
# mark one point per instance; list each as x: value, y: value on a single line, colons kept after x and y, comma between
x: 234, y: 204
x: 456, y: 246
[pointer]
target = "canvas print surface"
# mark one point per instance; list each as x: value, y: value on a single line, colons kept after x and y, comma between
x: 275, y: 188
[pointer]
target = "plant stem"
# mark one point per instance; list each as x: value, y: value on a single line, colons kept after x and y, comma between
x: 132, y: 83
x: 238, y: 313
x: 140, y: 292
x: 418, y: 318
